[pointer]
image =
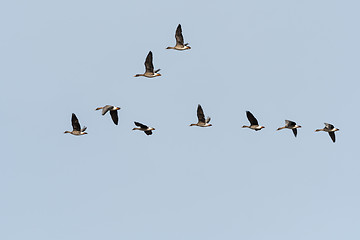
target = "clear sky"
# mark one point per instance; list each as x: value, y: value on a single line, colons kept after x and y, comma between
x: 294, y: 60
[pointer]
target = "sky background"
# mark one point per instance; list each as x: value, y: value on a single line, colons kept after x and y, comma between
x: 295, y: 60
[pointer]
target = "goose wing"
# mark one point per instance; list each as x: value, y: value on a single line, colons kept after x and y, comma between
x: 200, y: 114
x: 208, y: 119
x: 294, y: 131
x: 106, y: 109
x: 329, y: 126
x: 148, y: 132
x: 251, y: 118
x: 141, y: 125
x: 332, y: 136
x: 289, y: 123
x: 149, y: 67
x: 114, y: 116
x: 178, y: 36
x: 75, y: 122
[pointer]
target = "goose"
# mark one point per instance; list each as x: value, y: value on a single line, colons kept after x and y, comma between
x: 290, y: 125
x: 202, y: 122
x: 147, y: 130
x: 113, y: 112
x: 149, y: 68
x: 253, y: 122
x: 179, y: 40
x: 76, y: 127
x: 330, y: 129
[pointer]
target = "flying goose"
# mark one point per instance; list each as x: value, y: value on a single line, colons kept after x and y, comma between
x: 179, y: 40
x: 330, y: 129
x: 76, y: 127
x: 202, y: 122
x: 290, y: 125
x: 113, y: 112
x: 149, y: 68
x: 253, y: 122
x: 142, y: 127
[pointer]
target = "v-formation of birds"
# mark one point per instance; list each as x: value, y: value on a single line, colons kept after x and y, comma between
x: 202, y: 122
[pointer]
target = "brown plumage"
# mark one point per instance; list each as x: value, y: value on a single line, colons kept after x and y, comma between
x: 147, y: 130
x: 149, y: 68
x: 179, y: 40
x: 76, y: 127
x: 329, y: 128
x: 202, y: 122
x: 253, y: 122
x: 290, y: 125
x: 113, y: 112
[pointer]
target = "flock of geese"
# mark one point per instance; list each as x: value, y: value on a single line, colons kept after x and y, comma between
x: 202, y: 121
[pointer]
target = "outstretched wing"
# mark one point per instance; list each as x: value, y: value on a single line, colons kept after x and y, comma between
x: 251, y: 118
x: 114, y: 116
x: 149, y: 67
x: 295, y: 131
x: 148, y: 132
x: 84, y: 129
x: 178, y: 36
x: 106, y: 109
x: 329, y: 126
x: 289, y: 123
x: 140, y: 125
x: 75, y: 123
x: 208, y: 119
x: 200, y: 114
x: 332, y: 136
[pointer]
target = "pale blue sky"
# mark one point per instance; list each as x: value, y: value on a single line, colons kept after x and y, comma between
x: 294, y: 60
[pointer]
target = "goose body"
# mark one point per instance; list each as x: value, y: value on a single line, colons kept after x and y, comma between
x: 253, y: 122
x: 202, y: 122
x: 141, y: 127
x: 179, y: 40
x: 290, y: 125
x: 113, y: 112
x: 77, y: 131
x: 149, y: 68
x: 329, y: 128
